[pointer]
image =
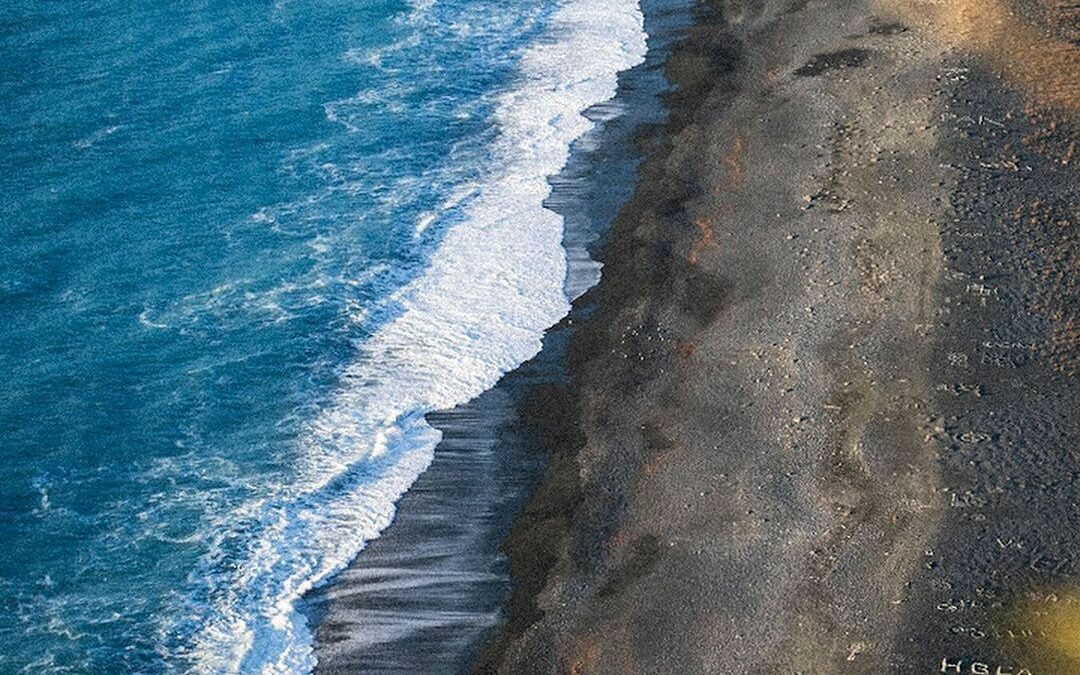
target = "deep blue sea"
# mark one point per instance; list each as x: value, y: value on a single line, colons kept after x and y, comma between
x: 245, y: 246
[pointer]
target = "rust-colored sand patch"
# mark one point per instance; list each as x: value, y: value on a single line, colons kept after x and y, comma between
x: 590, y: 657
x: 686, y: 351
x: 613, y: 653
x: 654, y: 463
x: 733, y: 161
x: 706, y: 238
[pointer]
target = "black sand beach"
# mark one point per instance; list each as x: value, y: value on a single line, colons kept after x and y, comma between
x: 820, y: 414
x: 824, y: 415
x: 423, y: 597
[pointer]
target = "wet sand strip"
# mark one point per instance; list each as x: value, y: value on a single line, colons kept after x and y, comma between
x: 423, y: 596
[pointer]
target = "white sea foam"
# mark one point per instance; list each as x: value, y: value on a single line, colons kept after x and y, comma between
x: 493, y: 287
x: 97, y: 136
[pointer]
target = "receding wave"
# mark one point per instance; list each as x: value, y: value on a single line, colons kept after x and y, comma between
x: 492, y: 288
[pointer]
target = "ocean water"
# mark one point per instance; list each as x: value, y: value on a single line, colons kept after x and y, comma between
x: 246, y: 246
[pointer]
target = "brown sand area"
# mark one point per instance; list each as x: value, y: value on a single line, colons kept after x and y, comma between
x: 823, y: 418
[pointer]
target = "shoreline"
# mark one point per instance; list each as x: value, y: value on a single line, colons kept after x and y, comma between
x: 818, y: 420
x: 423, y: 595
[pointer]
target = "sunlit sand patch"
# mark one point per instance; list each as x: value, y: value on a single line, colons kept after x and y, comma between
x: 1051, y: 619
x: 1061, y: 626
x: 1065, y: 14
x: 1047, y: 66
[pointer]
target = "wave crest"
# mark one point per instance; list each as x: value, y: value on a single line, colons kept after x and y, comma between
x: 493, y: 287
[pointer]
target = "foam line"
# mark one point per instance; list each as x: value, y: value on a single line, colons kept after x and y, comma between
x: 493, y: 287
